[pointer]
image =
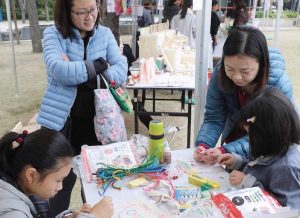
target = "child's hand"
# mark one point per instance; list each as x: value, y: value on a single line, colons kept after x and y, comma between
x: 103, y: 209
x: 226, y: 159
x: 199, y: 153
x: 85, y: 208
x: 236, y: 177
x: 208, y: 156
x: 65, y: 57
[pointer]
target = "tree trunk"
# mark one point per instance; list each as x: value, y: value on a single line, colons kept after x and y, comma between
x: 258, y: 3
x: 295, y: 5
x: 22, y: 4
x: 110, y: 20
x: 254, y: 8
x: 47, y: 10
x: 13, y: 8
x: 34, y: 26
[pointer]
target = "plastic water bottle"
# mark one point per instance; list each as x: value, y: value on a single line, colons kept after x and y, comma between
x: 167, y: 153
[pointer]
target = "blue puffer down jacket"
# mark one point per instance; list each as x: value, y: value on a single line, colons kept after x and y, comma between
x: 222, y: 110
x: 65, y: 76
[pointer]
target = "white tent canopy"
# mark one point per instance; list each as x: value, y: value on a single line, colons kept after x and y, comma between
x: 202, y: 42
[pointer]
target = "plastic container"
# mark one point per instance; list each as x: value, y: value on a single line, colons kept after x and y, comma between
x: 167, y: 154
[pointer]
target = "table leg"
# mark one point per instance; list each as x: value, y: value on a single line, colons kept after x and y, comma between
x: 190, y: 94
x: 153, y: 95
x: 182, y: 100
x: 82, y: 193
x: 136, y: 110
x: 143, y: 97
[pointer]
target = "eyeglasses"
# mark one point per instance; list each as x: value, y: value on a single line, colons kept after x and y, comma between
x: 84, y: 13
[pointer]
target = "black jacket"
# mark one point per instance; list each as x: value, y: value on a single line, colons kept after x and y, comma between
x: 170, y: 11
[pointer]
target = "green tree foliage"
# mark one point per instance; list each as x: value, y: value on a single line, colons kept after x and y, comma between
x: 272, y: 14
x: 40, y: 6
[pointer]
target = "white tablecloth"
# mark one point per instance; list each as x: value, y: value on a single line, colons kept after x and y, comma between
x: 122, y: 197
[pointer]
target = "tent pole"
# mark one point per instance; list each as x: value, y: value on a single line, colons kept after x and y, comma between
x: 277, y: 26
x: 265, y: 14
x: 268, y: 14
x: 8, y: 13
x: 249, y: 6
x: 202, y: 42
x: 160, y: 7
x: 134, y: 27
x: 254, y: 8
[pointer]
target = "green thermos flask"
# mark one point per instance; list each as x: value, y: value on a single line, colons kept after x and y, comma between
x: 156, y: 139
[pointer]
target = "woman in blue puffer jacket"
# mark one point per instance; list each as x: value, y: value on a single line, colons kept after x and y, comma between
x: 247, y: 67
x: 76, y: 49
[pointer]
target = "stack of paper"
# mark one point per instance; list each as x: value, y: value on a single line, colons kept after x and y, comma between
x: 119, y: 154
x: 240, y: 203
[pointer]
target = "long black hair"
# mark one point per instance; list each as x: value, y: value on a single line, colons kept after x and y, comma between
x: 273, y: 123
x: 42, y: 149
x: 248, y: 41
x: 241, y: 13
x: 62, y: 18
x: 171, y: 2
x: 214, y: 2
x: 186, y: 5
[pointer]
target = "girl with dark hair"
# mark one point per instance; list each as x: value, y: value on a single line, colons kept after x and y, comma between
x: 171, y: 9
x: 246, y: 68
x: 215, y: 23
x: 35, y: 164
x: 274, y: 158
x: 76, y: 49
x: 241, y: 13
x: 147, y: 13
x: 185, y: 22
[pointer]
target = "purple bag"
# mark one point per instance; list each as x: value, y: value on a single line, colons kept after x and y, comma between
x: 109, y: 120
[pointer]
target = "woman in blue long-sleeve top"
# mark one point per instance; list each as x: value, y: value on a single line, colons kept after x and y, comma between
x: 247, y: 67
x: 76, y: 49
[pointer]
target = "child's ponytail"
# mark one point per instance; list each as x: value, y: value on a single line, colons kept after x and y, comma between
x: 186, y: 5
x: 7, y: 153
x: 43, y: 149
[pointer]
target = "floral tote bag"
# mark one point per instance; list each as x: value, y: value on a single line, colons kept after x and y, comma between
x: 109, y: 120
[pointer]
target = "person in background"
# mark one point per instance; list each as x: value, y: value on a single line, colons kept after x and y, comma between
x: 180, y: 3
x: 241, y: 13
x: 145, y: 20
x: 171, y: 9
x: 36, y: 164
x: 247, y: 67
x: 273, y: 161
x: 76, y: 49
x: 185, y: 22
x: 215, y: 23
x: 147, y: 13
